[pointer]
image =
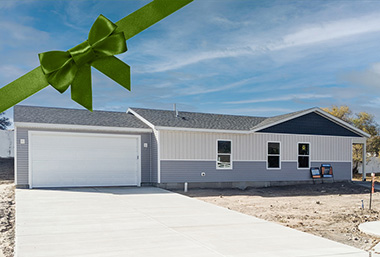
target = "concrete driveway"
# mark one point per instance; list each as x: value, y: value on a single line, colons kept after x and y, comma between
x: 151, y: 222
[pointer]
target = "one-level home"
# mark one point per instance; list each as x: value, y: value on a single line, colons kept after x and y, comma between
x: 57, y: 147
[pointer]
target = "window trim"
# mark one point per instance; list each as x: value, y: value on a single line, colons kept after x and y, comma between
x: 217, y: 153
x: 267, y: 154
x: 298, y: 155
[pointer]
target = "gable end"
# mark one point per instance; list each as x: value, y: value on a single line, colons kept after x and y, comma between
x: 310, y: 124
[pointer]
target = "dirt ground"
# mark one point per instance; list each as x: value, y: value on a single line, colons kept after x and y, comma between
x: 333, y: 211
x: 7, y: 218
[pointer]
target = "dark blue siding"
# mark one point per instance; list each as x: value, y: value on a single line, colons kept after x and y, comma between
x: 310, y: 124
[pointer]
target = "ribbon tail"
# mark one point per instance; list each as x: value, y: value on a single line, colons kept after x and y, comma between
x: 148, y: 15
x: 114, y: 68
x: 22, y: 88
x: 81, y: 89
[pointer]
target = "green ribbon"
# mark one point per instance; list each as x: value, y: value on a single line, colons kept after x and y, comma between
x: 62, y: 69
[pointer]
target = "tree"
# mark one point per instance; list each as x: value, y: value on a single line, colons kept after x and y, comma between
x: 342, y: 112
x: 4, y: 122
x: 365, y: 122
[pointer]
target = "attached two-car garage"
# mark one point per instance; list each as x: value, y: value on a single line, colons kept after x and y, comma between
x: 64, y: 159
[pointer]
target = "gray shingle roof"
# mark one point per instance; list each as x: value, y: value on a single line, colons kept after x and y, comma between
x: 76, y: 117
x: 166, y: 118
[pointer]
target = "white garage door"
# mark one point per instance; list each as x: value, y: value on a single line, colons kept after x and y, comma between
x: 77, y: 159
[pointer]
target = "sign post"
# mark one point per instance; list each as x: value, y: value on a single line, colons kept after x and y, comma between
x: 372, y: 189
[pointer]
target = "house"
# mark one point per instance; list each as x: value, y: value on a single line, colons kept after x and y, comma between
x: 57, y: 147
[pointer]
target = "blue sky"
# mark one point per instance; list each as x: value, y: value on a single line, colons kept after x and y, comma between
x: 259, y: 58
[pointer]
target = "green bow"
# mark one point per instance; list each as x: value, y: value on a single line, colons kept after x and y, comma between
x: 73, y: 67
x: 62, y: 69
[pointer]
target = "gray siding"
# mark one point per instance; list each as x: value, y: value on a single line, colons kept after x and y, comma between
x: 181, y: 145
x: 311, y: 124
x: 154, y: 158
x: 190, y: 171
x: 21, y: 178
x: 22, y: 153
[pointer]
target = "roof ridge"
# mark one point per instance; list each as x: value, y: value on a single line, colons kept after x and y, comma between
x: 64, y: 108
x: 207, y: 113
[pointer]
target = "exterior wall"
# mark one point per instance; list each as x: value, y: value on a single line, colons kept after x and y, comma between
x: 312, y: 124
x: 184, y: 155
x: 190, y: 171
x: 180, y: 145
x: 154, y: 160
x: 22, y: 162
x: 6, y: 144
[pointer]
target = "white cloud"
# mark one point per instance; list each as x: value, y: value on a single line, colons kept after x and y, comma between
x: 16, y: 33
x: 281, y: 98
x: 318, y: 33
x: 192, y: 90
x: 177, y: 60
x: 11, y: 71
x: 243, y: 43
x: 369, y: 78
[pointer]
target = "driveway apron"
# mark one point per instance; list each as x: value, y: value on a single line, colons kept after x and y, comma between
x: 147, y: 221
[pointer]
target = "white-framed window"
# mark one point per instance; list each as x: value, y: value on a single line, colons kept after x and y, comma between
x: 303, y: 155
x: 274, y: 155
x: 224, y: 154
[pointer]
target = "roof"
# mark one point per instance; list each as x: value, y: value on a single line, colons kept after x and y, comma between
x: 194, y: 120
x: 285, y: 117
x: 165, y: 118
x: 142, y: 118
x: 75, y: 117
x: 279, y: 118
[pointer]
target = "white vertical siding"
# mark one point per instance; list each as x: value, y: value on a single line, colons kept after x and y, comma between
x: 180, y: 145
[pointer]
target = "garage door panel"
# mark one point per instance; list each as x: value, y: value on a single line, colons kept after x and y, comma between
x: 79, y: 166
x: 80, y: 154
x: 68, y: 159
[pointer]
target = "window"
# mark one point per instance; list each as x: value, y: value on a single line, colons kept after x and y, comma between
x: 303, y: 155
x: 273, y: 155
x: 224, y: 155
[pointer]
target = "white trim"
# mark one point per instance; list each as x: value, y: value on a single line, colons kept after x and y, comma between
x: 15, y: 153
x: 204, y: 130
x: 279, y: 163
x: 352, y: 150
x: 141, y: 118
x: 212, y: 160
x: 313, y: 135
x: 198, y: 160
x: 217, y: 153
x: 78, y: 127
x: 329, y: 161
x: 209, y: 160
x: 298, y: 155
x: 322, y: 113
x: 139, y: 171
x: 359, y: 140
x: 158, y: 157
x: 33, y: 132
x: 30, y: 172
x: 249, y: 161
